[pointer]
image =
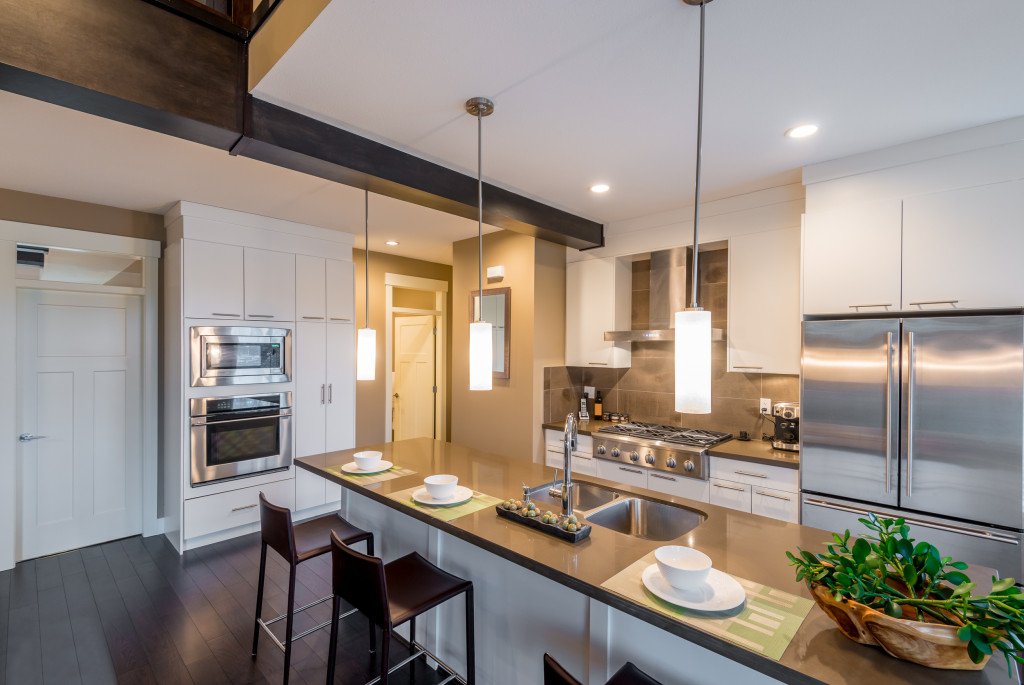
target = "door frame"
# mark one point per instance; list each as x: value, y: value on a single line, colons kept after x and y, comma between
x: 12, y: 233
x: 440, y: 290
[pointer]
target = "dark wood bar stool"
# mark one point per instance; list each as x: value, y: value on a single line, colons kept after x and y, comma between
x: 629, y: 674
x: 392, y: 594
x: 298, y: 543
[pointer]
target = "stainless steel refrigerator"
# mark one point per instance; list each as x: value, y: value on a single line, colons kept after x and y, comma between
x: 921, y: 417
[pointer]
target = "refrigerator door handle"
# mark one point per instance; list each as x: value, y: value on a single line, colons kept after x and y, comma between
x: 888, y: 410
x: 984, y: 534
x: 911, y: 380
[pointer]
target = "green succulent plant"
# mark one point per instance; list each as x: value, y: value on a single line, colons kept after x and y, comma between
x: 889, y: 571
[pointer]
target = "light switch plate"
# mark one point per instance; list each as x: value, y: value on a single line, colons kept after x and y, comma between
x: 766, y: 405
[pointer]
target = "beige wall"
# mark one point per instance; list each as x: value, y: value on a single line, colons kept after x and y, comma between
x: 507, y: 419
x: 371, y: 406
x: 84, y: 216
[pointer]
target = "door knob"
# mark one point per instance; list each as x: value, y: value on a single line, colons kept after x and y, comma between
x: 28, y: 437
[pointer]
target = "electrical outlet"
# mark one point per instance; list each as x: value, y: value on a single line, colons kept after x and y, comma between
x: 589, y: 391
x: 766, y: 405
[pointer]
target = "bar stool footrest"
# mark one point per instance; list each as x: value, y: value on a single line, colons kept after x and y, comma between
x: 265, y: 625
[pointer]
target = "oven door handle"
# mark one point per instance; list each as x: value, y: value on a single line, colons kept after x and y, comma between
x: 204, y: 421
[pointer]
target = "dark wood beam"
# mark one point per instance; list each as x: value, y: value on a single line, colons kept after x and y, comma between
x: 288, y: 139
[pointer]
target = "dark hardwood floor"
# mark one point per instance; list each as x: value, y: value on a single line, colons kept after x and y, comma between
x: 133, y: 611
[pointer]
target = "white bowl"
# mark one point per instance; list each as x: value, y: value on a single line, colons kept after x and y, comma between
x: 367, y: 460
x: 441, y: 486
x: 683, y: 567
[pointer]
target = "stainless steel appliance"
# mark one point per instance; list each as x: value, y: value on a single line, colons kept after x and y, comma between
x: 921, y: 417
x: 683, y: 451
x: 240, y: 436
x: 787, y: 426
x: 235, y: 355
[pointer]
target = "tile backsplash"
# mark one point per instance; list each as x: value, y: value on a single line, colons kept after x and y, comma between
x: 646, y: 391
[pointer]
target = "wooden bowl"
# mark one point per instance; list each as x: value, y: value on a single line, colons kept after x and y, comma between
x: 927, y: 643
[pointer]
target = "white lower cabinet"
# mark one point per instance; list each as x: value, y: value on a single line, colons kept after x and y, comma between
x: 763, y: 489
x: 227, y: 510
x: 731, y: 495
x: 775, y: 504
x: 679, y: 486
x: 620, y: 473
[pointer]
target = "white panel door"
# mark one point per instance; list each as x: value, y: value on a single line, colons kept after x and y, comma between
x: 310, y: 288
x: 340, y: 291
x: 851, y: 259
x: 310, y: 405
x: 269, y: 285
x: 962, y: 248
x: 414, y: 377
x: 212, y: 279
x: 80, y: 398
x: 341, y: 393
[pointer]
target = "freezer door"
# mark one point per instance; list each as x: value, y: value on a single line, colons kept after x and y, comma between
x: 998, y: 549
x: 849, y: 401
x: 963, y: 418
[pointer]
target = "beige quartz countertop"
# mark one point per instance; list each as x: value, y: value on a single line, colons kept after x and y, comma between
x: 745, y: 545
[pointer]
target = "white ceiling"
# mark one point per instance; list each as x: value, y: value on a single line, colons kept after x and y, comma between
x: 605, y: 90
x: 60, y: 152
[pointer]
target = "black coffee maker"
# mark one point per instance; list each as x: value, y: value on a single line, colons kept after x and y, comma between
x: 787, y: 426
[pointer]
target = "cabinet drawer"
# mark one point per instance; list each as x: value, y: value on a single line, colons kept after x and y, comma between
x: 775, y: 504
x: 553, y: 442
x: 761, y: 475
x: 678, y: 486
x: 225, y: 510
x: 732, y: 495
x: 620, y: 473
x: 581, y: 463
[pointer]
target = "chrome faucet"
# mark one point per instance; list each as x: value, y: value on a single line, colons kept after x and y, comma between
x: 570, y: 439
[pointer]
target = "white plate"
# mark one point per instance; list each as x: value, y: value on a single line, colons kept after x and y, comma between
x: 720, y: 592
x: 462, y: 494
x: 353, y: 468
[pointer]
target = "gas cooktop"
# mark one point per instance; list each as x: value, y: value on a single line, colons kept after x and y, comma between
x: 671, y: 434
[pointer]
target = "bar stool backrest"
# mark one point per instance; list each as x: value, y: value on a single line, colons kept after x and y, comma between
x: 276, y: 529
x: 554, y: 674
x: 359, y: 580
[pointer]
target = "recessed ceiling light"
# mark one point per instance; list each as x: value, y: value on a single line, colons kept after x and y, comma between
x: 802, y: 131
x: 600, y: 188
x: 391, y: 243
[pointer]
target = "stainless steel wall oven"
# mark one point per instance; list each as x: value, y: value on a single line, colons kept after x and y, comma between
x: 240, y: 436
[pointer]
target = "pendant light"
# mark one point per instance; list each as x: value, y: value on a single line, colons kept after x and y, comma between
x: 481, y: 345
x: 366, y: 338
x: 693, y: 324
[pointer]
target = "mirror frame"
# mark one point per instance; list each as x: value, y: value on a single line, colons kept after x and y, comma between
x: 507, y: 292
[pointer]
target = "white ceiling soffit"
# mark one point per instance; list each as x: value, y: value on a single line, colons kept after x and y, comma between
x: 60, y: 152
x: 605, y: 90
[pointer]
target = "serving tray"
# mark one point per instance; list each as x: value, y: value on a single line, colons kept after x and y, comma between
x: 551, y: 529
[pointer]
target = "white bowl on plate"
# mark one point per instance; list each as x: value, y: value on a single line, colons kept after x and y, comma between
x: 441, y: 487
x: 367, y: 460
x: 683, y: 567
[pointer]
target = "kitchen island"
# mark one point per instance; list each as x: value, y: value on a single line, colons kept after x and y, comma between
x: 535, y: 593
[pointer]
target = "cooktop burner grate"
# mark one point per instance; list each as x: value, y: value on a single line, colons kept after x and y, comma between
x: 672, y: 434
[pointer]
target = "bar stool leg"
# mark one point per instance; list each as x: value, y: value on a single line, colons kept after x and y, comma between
x: 385, y: 647
x: 373, y: 629
x: 288, y: 624
x: 332, y: 649
x: 259, y: 600
x: 470, y: 639
x: 412, y: 630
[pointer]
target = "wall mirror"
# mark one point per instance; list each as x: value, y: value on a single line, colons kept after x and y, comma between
x: 497, y: 311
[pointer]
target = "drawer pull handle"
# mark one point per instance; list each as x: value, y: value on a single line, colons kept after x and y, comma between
x: 623, y: 468
x: 917, y: 304
x: 768, y: 494
x: 313, y: 318
x: 338, y: 318
x: 261, y: 316
x: 224, y: 314
x: 247, y: 506
x: 729, y: 487
x: 858, y: 306
x: 751, y: 474
x: 658, y: 475
x: 758, y: 368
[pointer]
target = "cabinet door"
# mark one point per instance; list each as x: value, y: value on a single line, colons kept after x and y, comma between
x: 961, y: 248
x: 309, y: 407
x: 583, y: 464
x: 310, y: 288
x: 775, y: 504
x: 851, y: 259
x: 341, y: 388
x: 732, y: 495
x: 269, y: 285
x: 764, y: 302
x: 212, y: 279
x: 340, y: 291
x: 620, y: 473
x: 680, y: 486
x: 597, y: 299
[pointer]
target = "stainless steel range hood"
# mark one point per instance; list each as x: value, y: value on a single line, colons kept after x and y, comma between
x: 667, y: 296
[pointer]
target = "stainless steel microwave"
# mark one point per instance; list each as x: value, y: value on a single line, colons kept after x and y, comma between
x: 236, y: 355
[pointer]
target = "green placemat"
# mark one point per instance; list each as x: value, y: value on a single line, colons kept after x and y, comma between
x: 766, y: 624
x: 478, y: 502
x: 371, y: 478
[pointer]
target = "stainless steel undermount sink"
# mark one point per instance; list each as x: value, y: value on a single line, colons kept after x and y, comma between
x: 647, y: 519
x: 586, y: 496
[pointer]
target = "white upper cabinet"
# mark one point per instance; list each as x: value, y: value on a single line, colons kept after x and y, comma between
x: 962, y: 248
x: 598, y: 296
x: 310, y: 288
x: 212, y: 280
x: 851, y: 259
x: 269, y: 285
x: 764, y: 302
x: 340, y: 290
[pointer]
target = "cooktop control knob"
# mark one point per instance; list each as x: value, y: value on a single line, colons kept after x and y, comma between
x: 616, y: 452
x: 649, y: 459
x: 688, y: 465
x: 672, y: 463
x: 634, y: 456
x: 601, y: 449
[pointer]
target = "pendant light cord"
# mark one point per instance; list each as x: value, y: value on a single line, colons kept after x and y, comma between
x: 480, y: 208
x: 366, y: 254
x: 700, y: 136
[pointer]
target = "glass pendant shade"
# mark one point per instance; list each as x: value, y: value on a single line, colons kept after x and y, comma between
x: 481, y: 356
x: 366, y: 354
x: 693, y: 362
